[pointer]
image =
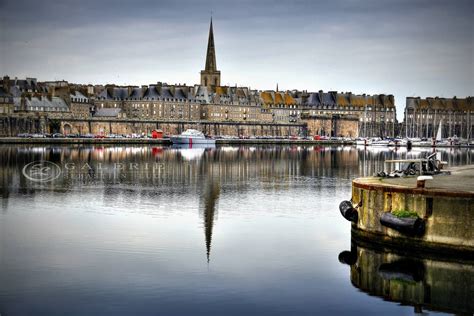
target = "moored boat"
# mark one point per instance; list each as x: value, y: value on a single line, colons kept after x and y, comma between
x: 192, y: 136
x: 362, y: 141
x: 379, y: 142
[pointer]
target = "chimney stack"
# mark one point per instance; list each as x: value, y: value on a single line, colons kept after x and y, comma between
x: 6, y: 84
x: 52, y: 91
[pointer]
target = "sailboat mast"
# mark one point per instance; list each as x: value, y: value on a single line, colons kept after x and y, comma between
x: 413, y: 123
x: 365, y: 121
x: 427, y: 113
x: 406, y: 122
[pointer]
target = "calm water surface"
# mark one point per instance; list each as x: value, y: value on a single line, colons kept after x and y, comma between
x: 130, y: 230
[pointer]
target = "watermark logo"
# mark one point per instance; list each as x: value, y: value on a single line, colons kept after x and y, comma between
x: 41, y: 171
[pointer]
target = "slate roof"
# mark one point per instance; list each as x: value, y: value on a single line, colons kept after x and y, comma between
x: 136, y: 93
x: 201, y: 93
x: 47, y: 104
x: 15, y: 91
x: 3, y: 93
x: 78, y: 95
x: 152, y: 93
x: 180, y: 94
x: 328, y: 98
x: 313, y: 99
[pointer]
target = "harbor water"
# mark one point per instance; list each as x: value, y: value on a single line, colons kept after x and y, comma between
x: 227, y: 230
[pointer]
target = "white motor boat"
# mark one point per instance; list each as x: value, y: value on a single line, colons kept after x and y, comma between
x: 420, y: 142
x: 395, y: 142
x: 362, y: 141
x: 192, y: 136
x: 379, y: 142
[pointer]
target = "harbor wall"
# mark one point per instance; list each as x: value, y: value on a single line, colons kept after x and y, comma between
x: 333, y: 126
x: 173, y: 128
x: 12, y: 126
x: 448, y: 216
x: 166, y: 141
x: 320, y: 125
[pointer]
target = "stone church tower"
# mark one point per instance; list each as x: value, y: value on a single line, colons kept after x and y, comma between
x: 210, y: 76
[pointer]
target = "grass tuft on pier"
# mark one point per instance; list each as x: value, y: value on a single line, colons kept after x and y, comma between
x: 404, y: 214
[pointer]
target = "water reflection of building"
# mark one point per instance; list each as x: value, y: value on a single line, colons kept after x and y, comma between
x: 208, y: 208
x: 422, y: 281
x: 169, y: 167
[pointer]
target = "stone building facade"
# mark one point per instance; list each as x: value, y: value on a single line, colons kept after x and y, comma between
x: 6, y: 102
x: 58, y: 106
x: 376, y: 114
x: 324, y: 113
x: 332, y: 125
x: 423, y: 117
x: 80, y: 105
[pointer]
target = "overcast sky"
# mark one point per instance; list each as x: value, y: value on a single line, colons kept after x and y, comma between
x: 405, y: 48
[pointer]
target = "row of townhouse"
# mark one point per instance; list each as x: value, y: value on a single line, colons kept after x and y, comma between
x: 153, y: 102
x: 423, y: 117
x: 162, y: 102
x: 58, y: 100
x: 376, y: 113
x: 181, y: 102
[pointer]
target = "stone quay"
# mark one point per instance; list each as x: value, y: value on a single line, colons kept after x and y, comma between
x: 443, y: 209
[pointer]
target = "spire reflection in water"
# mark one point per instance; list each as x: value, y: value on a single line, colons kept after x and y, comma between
x: 208, y: 209
x: 128, y: 230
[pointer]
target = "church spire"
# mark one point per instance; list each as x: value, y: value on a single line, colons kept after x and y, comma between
x: 211, y: 51
x: 210, y: 76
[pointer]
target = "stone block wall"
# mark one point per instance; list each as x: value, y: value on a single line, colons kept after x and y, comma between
x: 449, y: 219
x: 330, y: 126
x: 209, y: 128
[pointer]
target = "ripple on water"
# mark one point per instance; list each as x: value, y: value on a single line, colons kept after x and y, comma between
x: 239, y: 231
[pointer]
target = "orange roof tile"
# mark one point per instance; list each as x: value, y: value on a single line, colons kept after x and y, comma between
x: 266, y: 97
x: 342, y: 100
x: 370, y: 100
x: 423, y: 104
x: 289, y: 99
x: 358, y: 100
x: 221, y: 90
x: 240, y: 93
x: 278, y: 98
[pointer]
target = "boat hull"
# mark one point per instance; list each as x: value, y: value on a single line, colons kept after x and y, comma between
x: 192, y: 140
x: 380, y: 143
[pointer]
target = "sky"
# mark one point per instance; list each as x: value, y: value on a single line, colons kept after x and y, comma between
x: 405, y: 47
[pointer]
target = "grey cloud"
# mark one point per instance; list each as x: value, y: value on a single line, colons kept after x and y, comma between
x: 385, y: 46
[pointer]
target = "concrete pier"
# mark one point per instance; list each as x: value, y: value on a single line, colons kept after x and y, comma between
x: 446, y: 205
